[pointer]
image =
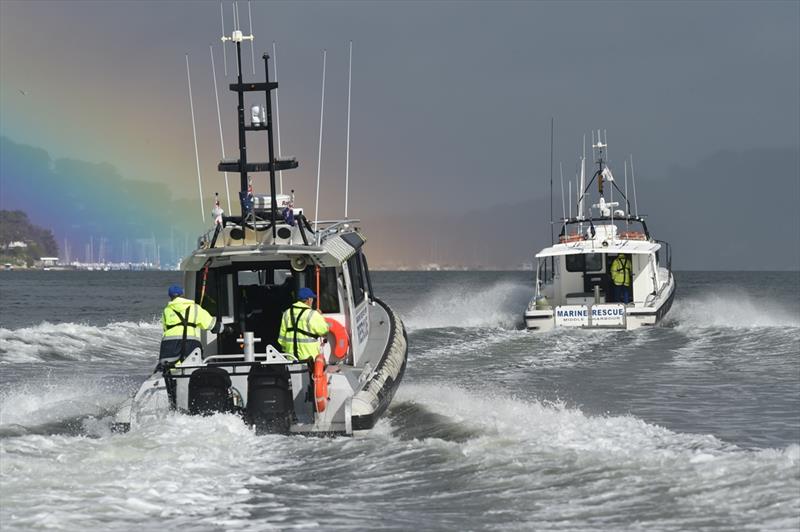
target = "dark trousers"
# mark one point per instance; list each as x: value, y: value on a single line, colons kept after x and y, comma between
x: 622, y: 293
x: 171, y: 347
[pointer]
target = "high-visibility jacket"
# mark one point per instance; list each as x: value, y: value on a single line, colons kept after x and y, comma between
x: 175, y: 318
x: 621, y: 271
x: 301, y: 327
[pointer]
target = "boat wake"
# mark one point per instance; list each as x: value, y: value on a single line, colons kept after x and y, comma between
x: 74, y: 406
x: 511, y: 426
x: 490, y: 306
x: 48, y: 342
x: 734, y: 309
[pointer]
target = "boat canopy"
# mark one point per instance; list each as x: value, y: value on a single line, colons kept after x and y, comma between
x: 630, y: 247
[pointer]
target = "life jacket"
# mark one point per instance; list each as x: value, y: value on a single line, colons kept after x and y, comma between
x: 621, y: 271
x: 299, y: 334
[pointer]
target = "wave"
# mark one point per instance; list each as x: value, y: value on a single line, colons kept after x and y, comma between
x: 733, y: 309
x: 490, y: 419
x: 58, y: 405
x: 48, y: 342
x: 497, y: 305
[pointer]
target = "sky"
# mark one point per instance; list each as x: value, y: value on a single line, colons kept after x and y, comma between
x: 450, y: 127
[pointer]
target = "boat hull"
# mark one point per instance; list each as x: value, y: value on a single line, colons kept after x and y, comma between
x: 630, y: 317
x: 357, y: 397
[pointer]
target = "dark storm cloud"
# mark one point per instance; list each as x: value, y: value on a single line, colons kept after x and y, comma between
x: 452, y: 100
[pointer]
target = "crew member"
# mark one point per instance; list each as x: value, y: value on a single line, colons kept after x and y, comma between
x: 182, y: 320
x: 301, y: 327
x: 621, y: 278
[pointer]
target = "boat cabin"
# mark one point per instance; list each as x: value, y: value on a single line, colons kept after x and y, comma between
x: 249, y: 289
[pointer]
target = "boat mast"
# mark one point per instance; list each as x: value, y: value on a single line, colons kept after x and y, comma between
x: 242, y: 166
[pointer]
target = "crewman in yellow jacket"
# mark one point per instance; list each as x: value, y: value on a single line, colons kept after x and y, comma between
x: 301, y: 328
x: 621, y: 278
x: 182, y: 320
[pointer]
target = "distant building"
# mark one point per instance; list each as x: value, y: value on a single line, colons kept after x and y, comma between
x: 15, y: 244
x: 48, y: 261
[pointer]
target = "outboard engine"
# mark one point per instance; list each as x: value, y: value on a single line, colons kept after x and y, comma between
x: 270, y: 406
x: 209, y: 391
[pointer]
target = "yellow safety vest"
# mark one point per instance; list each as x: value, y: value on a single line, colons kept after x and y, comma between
x: 175, y: 315
x: 621, y: 272
x: 301, y: 327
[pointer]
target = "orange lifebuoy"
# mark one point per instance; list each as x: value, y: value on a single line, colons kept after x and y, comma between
x: 632, y: 235
x: 341, y: 342
x: 320, y: 384
x: 574, y: 237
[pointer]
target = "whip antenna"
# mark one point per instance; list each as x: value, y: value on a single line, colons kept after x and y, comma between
x: 319, y: 155
x: 633, y: 179
x: 347, y: 163
x: 194, y: 135
x: 563, y: 206
x: 224, y: 55
x: 219, y: 121
x: 552, y: 121
x: 252, y: 51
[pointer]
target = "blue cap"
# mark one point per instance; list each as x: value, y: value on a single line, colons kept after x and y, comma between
x: 305, y: 293
x: 175, y: 291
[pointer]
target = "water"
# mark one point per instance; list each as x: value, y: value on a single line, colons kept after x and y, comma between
x: 692, y: 425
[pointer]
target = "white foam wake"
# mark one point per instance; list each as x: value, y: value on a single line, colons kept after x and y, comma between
x: 75, y: 341
x: 500, y: 304
x: 57, y: 399
x: 732, y: 308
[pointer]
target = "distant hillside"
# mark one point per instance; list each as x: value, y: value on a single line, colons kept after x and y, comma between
x: 15, y: 228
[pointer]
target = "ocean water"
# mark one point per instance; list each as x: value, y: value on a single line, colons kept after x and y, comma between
x: 691, y: 425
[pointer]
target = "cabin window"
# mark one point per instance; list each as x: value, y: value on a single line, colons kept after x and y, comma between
x: 356, y: 278
x: 584, y: 263
x: 328, y: 290
x: 215, y: 297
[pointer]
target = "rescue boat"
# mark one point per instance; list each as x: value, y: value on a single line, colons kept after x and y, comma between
x: 246, y: 271
x: 576, y: 276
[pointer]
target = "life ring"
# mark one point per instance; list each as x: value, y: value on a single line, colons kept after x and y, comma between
x: 632, y: 235
x: 320, y: 384
x: 574, y: 237
x: 341, y: 342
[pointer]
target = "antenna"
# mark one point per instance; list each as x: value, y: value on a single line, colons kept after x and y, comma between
x: 319, y: 156
x: 628, y: 203
x: 277, y: 111
x: 219, y: 121
x: 570, y: 195
x: 347, y: 159
x: 224, y: 55
x: 563, y: 206
x: 194, y: 135
x: 252, y: 51
x: 235, y: 9
x: 633, y: 178
x: 551, y: 179
x: 582, y: 189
